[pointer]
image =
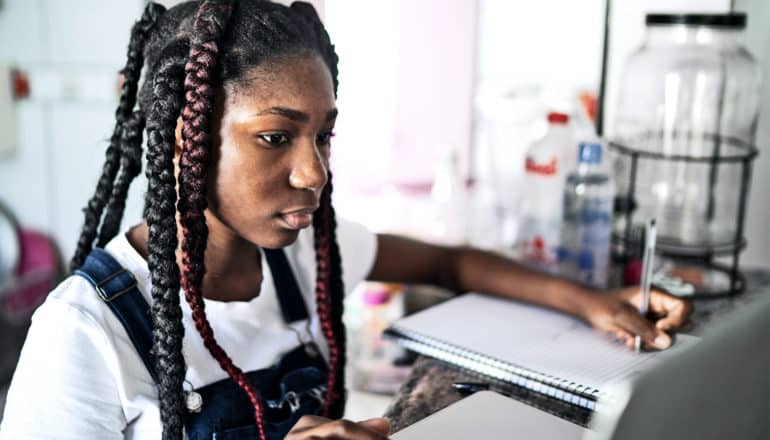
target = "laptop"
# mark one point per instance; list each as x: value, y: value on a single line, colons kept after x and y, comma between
x: 718, y: 389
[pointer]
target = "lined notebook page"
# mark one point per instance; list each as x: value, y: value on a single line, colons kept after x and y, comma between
x: 534, y: 338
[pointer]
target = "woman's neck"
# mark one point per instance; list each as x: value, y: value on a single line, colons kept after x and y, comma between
x: 233, y: 265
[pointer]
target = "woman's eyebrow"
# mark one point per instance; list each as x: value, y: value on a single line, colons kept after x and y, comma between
x: 294, y: 115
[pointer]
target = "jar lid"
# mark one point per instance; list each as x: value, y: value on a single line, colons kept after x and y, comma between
x: 736, y: 20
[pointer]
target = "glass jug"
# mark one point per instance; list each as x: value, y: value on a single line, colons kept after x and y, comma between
x: 685, y: 121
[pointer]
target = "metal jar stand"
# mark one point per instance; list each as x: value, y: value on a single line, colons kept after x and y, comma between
x: 702, y: 256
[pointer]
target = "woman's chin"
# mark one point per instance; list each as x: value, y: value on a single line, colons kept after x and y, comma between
x: 280, y: 239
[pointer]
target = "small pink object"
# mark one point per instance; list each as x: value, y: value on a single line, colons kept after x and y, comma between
x: 376, y: 297
x: 35, y: 276
x: 632, y: 275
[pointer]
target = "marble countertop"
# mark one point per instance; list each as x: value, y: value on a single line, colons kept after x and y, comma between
x: 429, y: 386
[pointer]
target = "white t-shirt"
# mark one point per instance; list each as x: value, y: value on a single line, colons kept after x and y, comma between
x: 80, y: 377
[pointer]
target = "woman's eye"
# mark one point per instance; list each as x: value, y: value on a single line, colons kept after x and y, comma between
x: 325, y: 138
x: 275, y: 139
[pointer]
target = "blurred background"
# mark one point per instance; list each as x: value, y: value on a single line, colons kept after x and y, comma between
x: 439, y: 102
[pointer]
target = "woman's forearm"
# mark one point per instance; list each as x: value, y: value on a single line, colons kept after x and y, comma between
x: 476, y: 270
x: 463, y: 269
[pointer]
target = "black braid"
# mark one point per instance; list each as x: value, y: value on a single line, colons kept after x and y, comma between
x: 326, y: 48
x: 130, y: 166
x: 168, y: 331
x: 131, y: 72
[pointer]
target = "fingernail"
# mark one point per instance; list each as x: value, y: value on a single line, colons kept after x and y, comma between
x: 662, y: 341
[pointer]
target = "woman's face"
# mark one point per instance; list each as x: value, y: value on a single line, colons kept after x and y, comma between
x: 271, y: 150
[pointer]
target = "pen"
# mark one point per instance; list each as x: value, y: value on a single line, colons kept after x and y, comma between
x: 468, y: 388
x: 649, y: 254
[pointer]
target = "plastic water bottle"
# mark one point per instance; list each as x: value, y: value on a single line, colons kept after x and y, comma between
x: 538, y: 238
x: 448, y: 200
x: 587, y: 221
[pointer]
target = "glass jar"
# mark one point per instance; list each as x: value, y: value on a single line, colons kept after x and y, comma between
x: 685, y: 121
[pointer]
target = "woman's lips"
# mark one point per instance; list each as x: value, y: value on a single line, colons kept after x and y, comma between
x: 298, y: 219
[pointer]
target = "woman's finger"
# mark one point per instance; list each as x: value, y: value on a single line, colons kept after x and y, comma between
x: 674, y: 312
x: 337, y: 429
x: 630, y: 320
x: 308, y: 422
x: 379, y: 424
x: 622, y: 336
x: 665, y: 326
x: 351, y: 430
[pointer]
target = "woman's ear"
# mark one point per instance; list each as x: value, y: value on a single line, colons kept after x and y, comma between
x: 178, y: 140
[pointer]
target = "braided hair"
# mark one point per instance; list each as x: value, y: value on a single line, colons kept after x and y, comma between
x: 104, y: 189
x: 191, y: 50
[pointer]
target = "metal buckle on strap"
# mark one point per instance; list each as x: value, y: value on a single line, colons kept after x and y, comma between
x: 103, y: 295
x: 319, y: 393
x: 293, y: 400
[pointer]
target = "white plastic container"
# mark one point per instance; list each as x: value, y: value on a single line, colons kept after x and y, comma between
x: 541, y: 208
x: 449, y: 200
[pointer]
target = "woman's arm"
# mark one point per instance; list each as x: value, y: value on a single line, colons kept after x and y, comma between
x: 462, y: 269
x: 62, y: 386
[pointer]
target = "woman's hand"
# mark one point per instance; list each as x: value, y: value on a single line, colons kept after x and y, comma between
x: 314, y: 427
x: 617, y: 312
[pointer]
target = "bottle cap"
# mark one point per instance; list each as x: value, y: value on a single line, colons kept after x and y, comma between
x: 590, y: 152
x: 376, y: 297
x: 558, y: 118
x: 585, y: 261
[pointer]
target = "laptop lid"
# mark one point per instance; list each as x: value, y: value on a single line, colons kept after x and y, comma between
x: 718, y: 389
x: 488, y: 415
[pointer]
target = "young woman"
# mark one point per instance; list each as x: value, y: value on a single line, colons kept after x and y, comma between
x: 238, y: 103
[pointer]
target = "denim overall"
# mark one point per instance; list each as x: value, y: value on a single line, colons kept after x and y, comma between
x: 293, y: 387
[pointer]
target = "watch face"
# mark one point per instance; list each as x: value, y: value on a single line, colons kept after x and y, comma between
x: 10, y: 248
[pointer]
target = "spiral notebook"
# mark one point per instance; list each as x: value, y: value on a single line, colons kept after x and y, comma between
x: 539, y: 349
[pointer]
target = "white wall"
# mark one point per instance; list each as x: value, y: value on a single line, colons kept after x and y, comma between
x: 72, y: 51
x: 406, y: 86
x: 406, y: 89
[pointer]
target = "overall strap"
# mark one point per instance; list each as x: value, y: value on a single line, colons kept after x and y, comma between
x: 293, y: 305
x: 117, y: 288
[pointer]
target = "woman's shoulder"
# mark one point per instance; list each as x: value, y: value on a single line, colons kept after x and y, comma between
x: 73, y: 316
x: 117, y: 256
x: 67, y: 357
x: 76, y: 319
x: 76, y: 297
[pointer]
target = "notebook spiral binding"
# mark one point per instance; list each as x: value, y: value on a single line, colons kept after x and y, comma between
x: 552, y: 386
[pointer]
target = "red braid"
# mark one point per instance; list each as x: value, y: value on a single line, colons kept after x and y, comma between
x: 199, y: 103
x: 324, y: 293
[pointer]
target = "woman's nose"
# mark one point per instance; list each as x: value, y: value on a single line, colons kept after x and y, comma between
x: 309, y: 170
